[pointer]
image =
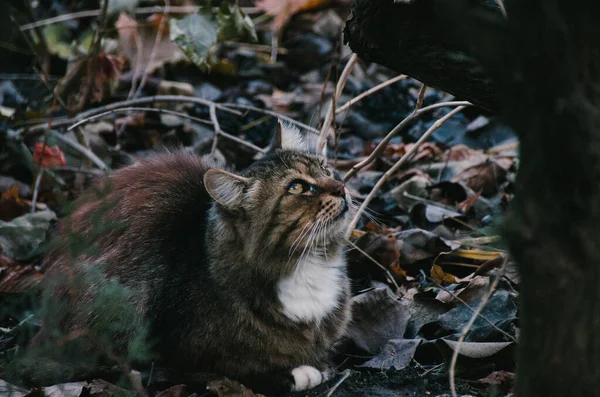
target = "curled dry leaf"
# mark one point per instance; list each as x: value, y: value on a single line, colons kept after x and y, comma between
x: 11, y: 205
x: 441, y: 277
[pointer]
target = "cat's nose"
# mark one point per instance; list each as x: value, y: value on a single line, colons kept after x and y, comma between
x: 339, y: 190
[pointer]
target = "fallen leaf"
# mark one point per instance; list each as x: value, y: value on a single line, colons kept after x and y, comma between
x: 22, y: 236
x: 11, y: 205
x: 485, y: 177
x: 441, y: 277
x: 73, y: 389
x: 477, y: 349
x: 498, y: 378
x: 283, y: 10
x: 397, y: 353
x: 230, y: 388
x: 173, y: 391
x: 10, y: 390
x: 48, y: 156
x: 378, y: 316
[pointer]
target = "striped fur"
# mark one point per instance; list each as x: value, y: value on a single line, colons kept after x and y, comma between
x: 232, y: 273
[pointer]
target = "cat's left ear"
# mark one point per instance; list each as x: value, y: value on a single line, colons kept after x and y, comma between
x: 226, y: 188
x: 288, y: 137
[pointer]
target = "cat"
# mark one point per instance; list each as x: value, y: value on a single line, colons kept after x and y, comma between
x: 242, y: 275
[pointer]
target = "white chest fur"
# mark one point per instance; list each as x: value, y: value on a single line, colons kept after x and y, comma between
x: 313, y: 290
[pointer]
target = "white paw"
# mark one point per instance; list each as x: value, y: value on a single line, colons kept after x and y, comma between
x: 306, y: 377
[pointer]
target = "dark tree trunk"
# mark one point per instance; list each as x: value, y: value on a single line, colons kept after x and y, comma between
x: 545, y: 62
x: 410, y: 39
x: 552, y: 99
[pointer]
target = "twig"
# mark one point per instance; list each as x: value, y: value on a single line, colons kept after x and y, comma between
x: 141, y: 10
x: 83, y: 150
x: 329, y: 116
x: 420, y: 97
x: 383, y: 144
x: 132, y: 102
x: 502, y: 8
x: 509, y: 336
x: 137, y: 109
x: 387, y: 175
x: 466, y: 329
x: 271, y: 113
x: 368, y: 92
x: 172, y: 112
x: 217, y: 127
x: 36, y: 189
x: 89, y: 171
x: 390, y: 276
x: 92, y: 61
x: 345, y: 375
x: 255, y: 47
x: 274, y: 45
x: 157, y: 40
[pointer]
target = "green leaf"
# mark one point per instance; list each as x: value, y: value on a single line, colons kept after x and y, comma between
x: 233, y: 23
x: 58, y: 39
x: 21, y: 237
x: 195, y: 34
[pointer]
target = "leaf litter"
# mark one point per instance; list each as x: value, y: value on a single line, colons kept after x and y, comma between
x: 422, y: 258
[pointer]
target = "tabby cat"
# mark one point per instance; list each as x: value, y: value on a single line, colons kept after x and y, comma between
x: 240, y: 275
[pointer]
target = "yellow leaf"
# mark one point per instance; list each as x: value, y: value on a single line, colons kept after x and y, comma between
x: 477, y: 254
x: 441, y: 277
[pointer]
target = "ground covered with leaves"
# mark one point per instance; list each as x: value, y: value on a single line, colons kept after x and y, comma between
x: 93, y: 86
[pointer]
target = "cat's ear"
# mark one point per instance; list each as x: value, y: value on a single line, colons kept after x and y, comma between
x: 225, y: 188
x: 288, y: 137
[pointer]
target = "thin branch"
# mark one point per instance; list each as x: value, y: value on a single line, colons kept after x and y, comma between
x: 157, y: 40
x: 217, y: 127
x: 172, y: 112
x: 383, y: 144
x: 131, y: 102
x: 388, y: 174
x: 368, y: 92
x: 141, y: 10
x: 271, y: 113
x: 345, y: 375
x: 322, y: 141
x: 89, y: 171
x: 502, y: 8
x: 420, y: 97
x: 466, y: 329
x: 390, y: 276
x: 83, y: 150
x: 36, y: 189
x: 474, y: 311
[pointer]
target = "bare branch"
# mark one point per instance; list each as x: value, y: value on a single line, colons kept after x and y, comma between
x: 322, y: 141
x: 383, y: 144
x: 368, y: 92
x: 388, y: 174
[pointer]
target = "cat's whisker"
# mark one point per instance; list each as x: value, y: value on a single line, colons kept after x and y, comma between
x: 308, y: 241
x: 298, y: 240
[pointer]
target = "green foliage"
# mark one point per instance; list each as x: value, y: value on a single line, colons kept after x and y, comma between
x: 197, y: 34
x: 89, y: 320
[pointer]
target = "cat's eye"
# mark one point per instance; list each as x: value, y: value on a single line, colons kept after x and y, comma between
x: 295, y: 188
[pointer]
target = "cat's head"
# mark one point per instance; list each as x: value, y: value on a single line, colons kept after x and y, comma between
x: 291, y: 200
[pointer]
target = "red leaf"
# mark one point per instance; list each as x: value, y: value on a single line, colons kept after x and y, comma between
x: 48, y: 156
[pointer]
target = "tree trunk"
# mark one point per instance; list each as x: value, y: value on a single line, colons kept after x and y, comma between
x: 544, y: 61
x: 410, y: 39
x: 552, y: 99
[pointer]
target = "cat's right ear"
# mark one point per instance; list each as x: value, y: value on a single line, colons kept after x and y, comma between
x: 288, y: 137
x: 225, y: 188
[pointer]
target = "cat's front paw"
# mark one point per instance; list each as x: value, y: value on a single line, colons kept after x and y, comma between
x: 307, y: 377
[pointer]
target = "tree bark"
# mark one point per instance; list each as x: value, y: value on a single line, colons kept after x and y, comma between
x: 544, y: 66
x: 410, y: 39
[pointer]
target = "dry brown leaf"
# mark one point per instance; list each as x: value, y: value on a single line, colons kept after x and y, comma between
x: 485, y: 177
x: 230, y: 388
x: 11, y: 205
x: 441, y: 277
x: 283, y: 10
